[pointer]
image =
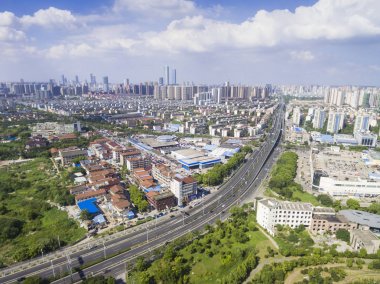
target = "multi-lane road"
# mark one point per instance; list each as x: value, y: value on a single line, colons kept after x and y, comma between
x: 127, y: 247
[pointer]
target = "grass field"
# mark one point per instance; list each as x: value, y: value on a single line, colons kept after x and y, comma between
x: 306, y: 197
x: 24, y: 193
x: 211, y: 269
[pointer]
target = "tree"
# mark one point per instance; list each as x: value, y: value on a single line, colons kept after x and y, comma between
x: 35, y: 280
x: 353, y: 204
x: 325, y: 200
x: 99, y: 280
x: 343, y: 234
x: 85, y: 215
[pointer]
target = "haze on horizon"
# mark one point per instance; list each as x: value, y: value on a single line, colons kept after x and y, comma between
x: 322, y: 42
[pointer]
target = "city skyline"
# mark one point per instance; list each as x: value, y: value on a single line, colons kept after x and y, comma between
x: 323, y: 42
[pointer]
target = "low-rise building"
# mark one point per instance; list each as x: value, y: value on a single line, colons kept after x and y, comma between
x: 134, y: 163
x: 162, y: 174
x: 364, y: 239
x: 67, y: 155
x: 271, y: 212
x: 161, y: 200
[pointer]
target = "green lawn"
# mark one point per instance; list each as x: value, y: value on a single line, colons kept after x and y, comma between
x: 306, y: 197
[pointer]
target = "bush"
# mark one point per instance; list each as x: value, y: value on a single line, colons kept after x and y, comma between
x: 343, y: 234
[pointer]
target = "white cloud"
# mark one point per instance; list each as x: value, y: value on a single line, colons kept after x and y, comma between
x: 62, y: 51
x: 7, y: 18
x: 303, y: 55
x: 50, y: 18
x: 10, y: 34
x: 161, y: 8
x: 326, y: 20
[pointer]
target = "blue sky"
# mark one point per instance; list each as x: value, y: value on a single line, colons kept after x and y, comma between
x: 249, y: 42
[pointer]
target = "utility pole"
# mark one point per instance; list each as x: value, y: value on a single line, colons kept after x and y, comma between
x: 42, y: 252
x: 69, y: 266
x: 52, y: 267
x: 59, y: 242
x: 104, y: 250
x: 147, y: 234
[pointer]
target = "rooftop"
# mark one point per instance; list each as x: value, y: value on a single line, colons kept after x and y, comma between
x: 366, y: 236
x: 287, y: 205
x: 362, y: 218
x: 342, y: 165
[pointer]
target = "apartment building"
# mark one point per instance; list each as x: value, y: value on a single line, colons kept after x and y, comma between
x: 162, y: 174
x: 134, y: 163
x: 183, y: 188
x: 67, y: 155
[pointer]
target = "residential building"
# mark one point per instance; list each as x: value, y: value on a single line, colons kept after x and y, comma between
x: 319, y: 118
x: 161, y: 200
x: 134, y: 163
x: 335, y: 121
x: 183, y: 188
x: 67, y: 155
x: 297, y: 116
x: 272, y: 212
x: 362, y: 123
x: 162, y: 174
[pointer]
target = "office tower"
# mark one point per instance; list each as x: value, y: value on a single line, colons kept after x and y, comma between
x: 319, y: 118
x: 105, y: 84
x: 335, y: 121
x: 126, y: 82
x: 167, y: 82
x: 76, y: 79
x: 161, y: 81
x: 361, y: 123
x: 296, y: 116
x: 63, y: 79
x: 174, y: 77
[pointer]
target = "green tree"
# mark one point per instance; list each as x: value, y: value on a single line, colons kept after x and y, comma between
x: 353, y: 204
x: 343, y: 234
x: 325, y: 200
x: 85, y: 215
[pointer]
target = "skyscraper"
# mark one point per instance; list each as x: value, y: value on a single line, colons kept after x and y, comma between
x: 296, y: 116
x: 361, y: 123
x: 161, y: 81
x: 167, y: 82
x: 76, y: 79
x: 335, y: 121
x: 105, y: 84
x: 319, y: 118
x: 174, y: 77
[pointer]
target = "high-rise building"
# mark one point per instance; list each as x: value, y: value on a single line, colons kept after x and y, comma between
x: 105, y: 84
x: 361, y: 123
x: 174, y: 77
x: 297, y: 116
x: 76, y: 79
x: 167, y: 82
x: 335, y: 121
x: 319, y: 118
x: 161, y: 81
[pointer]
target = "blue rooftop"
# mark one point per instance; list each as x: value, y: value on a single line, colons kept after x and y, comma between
x: 89, y: 205
x: 99, y: 219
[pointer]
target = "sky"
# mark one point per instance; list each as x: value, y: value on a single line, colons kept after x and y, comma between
x: 330, y: 42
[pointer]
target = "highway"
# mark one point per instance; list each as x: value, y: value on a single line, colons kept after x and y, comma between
x: 127, y: 247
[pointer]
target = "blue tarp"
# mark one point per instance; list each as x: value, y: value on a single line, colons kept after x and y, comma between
x: 99, y: 219
x: 156, y: 188
x: 89, y: 205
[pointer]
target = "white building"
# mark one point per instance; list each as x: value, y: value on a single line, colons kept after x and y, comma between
x: 335, y: 121
x: 296, y: 116
x: 362, y: 123
x: 183, y: 188
x: 358, y: 188
x: 272, y: 212
x: 319, y: 118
